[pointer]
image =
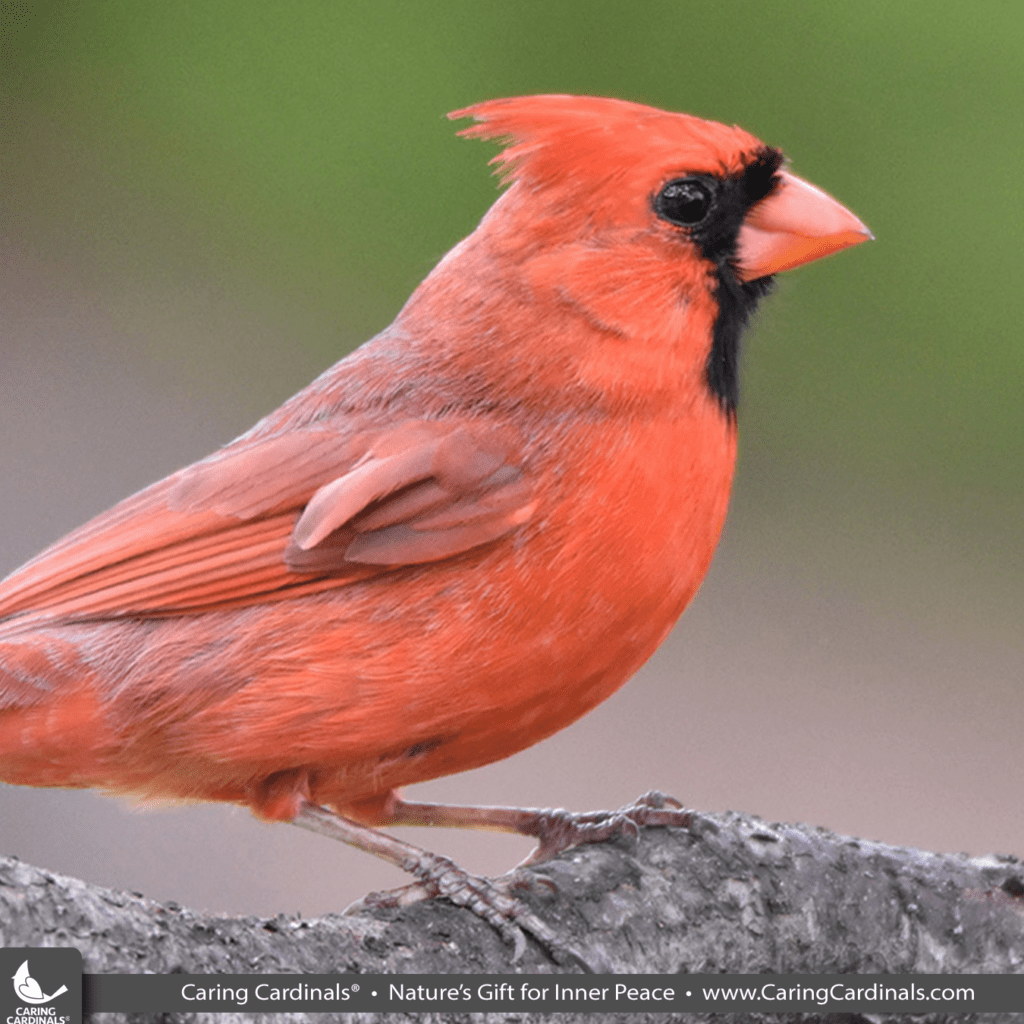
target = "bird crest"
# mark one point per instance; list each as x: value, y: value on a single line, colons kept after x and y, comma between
x: 557, y: 141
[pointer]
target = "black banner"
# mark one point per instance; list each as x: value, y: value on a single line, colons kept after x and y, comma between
x: 651, y: 993
x: 46, y: 986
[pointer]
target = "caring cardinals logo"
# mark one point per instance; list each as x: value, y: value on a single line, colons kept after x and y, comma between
x: 28, y: 990
x: 45, y: 985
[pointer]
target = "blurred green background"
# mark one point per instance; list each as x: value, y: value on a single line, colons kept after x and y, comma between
x: 202, y: 205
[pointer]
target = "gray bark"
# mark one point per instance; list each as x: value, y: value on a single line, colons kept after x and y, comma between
x: 731, y: 894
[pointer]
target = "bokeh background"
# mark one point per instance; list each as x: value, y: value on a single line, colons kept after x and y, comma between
x: 206, y: 203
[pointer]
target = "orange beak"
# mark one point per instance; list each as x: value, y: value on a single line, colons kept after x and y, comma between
x: 797, y: 223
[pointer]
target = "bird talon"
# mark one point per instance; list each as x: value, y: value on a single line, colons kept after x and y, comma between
x: 403, y: 896
x: 518, y: 940
x: 521, y: 881
x: 557, y: 830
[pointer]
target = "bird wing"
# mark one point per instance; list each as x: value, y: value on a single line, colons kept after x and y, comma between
x: 281, y: 516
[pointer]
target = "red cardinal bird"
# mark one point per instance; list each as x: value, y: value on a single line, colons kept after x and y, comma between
x: 458, y: 539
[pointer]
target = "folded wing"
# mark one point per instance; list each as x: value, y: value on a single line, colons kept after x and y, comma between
x: 279, y: 517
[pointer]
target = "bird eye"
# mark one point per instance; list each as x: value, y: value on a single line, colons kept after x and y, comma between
x: 684, y: 201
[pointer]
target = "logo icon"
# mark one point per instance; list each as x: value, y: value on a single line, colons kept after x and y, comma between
x: 27, y: 988
x: 40, y: 985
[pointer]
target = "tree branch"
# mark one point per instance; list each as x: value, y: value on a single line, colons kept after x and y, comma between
x: 731, y: 894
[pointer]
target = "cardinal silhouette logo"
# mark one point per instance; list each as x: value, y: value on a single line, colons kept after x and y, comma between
x: 27, y: 988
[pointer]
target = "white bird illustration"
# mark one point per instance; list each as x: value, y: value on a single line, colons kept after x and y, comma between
x: 28, y: 988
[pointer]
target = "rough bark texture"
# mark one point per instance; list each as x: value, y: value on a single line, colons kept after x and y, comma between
x: 731, y: 894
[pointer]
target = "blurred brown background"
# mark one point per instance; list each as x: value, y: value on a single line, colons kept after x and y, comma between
x: 202, y: 205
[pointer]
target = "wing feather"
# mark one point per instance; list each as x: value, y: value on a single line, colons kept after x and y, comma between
x: 282, y: 516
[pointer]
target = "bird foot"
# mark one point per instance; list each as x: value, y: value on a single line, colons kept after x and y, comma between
x: 438, y: 876
x: 557, y: 830
x: 490, y: 900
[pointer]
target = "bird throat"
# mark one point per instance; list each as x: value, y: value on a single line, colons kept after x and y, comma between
x: 736, y: 303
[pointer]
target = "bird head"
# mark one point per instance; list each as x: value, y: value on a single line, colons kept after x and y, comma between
x: 607, y: 163
x: 631, y: 213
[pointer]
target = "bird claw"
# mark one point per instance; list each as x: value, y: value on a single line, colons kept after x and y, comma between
x: 557, y: 830
x: 403, y: 896
x: 437, y: 876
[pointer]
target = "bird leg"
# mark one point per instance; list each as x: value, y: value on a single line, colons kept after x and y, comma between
x: 437, y: 876
x: 554, y: 829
